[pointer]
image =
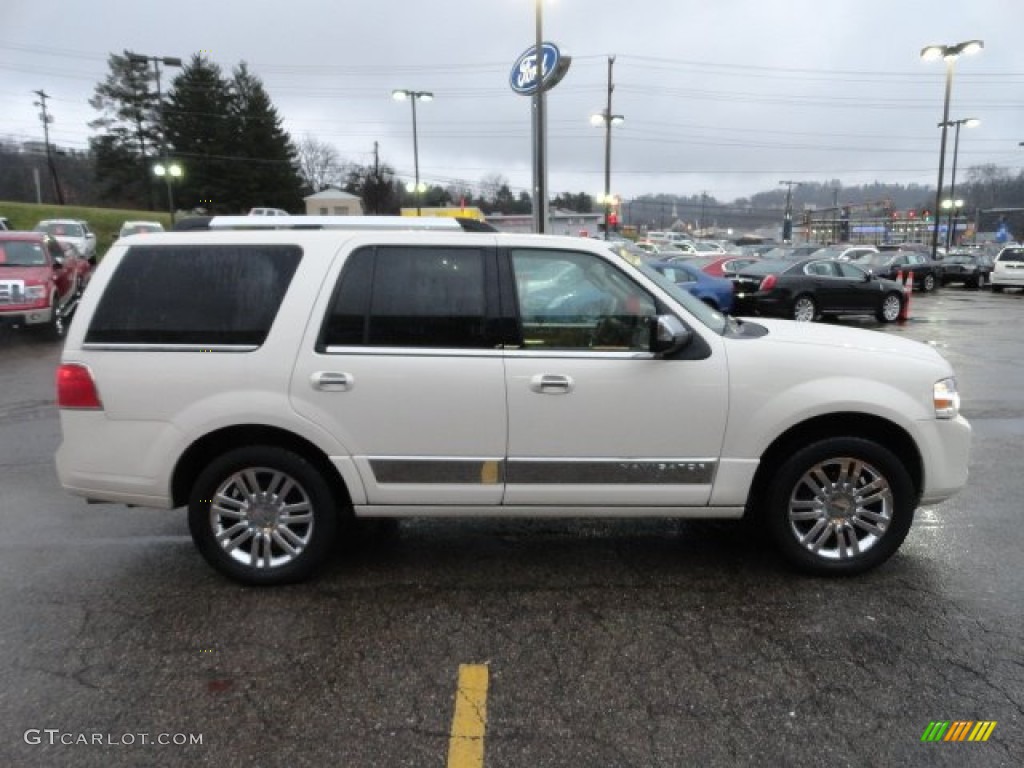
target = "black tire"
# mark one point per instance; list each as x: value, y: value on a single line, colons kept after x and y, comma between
x: 890, y: 307
x: 980, y: 281
x: 55, y: 329
x: 997, y: 288
x: 928, y: 283
x: 255, y: 483
x: 804, y: 308
x: 839, y: 514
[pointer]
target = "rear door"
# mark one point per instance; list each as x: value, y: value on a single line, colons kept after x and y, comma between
x: 406, y: 372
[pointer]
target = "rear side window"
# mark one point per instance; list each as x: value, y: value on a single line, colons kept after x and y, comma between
x: 405, y: 296
x: 1011, y: 254
x: 194, y: 294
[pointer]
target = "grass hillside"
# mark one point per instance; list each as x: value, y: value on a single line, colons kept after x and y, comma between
x: 105, y: 222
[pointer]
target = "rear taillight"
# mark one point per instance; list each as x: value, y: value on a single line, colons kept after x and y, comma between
x: 768, y: 283
x: 76, y: 389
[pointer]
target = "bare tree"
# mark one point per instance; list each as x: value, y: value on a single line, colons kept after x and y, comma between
x: 319, y: 164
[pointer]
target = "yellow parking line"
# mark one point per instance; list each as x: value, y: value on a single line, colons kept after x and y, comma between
x: 466, y: 745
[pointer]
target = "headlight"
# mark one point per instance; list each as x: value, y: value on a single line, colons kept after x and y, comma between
x: 35, y: 292
x: 946, y: 398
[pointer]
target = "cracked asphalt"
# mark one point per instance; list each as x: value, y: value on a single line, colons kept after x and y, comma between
x: 644, y: 643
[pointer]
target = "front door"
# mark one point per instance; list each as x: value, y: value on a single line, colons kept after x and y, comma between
x: 593, y: 420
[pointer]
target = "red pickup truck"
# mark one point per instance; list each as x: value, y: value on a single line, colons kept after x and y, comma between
x: 40, y: 281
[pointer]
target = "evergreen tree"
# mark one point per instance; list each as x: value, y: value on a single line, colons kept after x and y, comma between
x: 376, y: 185
x: 201, y: 136
x: 129, y: 137
x: 270, y: 176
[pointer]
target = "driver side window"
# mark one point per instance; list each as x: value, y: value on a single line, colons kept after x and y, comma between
x: 578, y: 301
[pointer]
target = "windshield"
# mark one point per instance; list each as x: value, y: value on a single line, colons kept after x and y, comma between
x: 60, y: 229
x: 14, y: 253
x: 713, y: 319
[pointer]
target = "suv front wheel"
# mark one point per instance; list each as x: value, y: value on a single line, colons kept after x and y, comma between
x: 263, y: 515
x: 840, y: 506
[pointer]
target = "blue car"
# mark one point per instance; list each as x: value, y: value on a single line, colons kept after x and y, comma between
x: 716, y: 292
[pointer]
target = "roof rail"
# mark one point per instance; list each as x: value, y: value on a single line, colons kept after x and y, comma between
x: 334, y: 222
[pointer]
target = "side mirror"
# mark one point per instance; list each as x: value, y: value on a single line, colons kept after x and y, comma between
x: 669, y: 335
x: 58, y: 261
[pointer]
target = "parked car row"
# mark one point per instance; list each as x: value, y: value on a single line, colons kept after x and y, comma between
x: 808, y: 282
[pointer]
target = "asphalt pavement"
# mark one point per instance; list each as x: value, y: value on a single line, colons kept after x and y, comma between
x: 611, y: 643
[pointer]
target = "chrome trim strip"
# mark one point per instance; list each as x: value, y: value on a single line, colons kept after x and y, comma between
x: 110, y: 347
x: 544, y: 471
x: 611, y: 471
x: 446, y: 471
x: 369, y: 351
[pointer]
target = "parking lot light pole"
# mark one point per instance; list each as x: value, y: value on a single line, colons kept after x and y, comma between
x: 607, y: 119
x: 164, y: 164
x: 970, y: 122
x: 950, y: 53
x: 168, y: 171
x: 413, y: 97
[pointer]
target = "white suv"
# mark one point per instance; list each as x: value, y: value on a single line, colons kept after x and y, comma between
x: 1008, y: 268
x: 278, y: 381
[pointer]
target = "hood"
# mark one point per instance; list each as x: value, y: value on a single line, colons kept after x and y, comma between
x: 838, y: 337
x: 30, y: 275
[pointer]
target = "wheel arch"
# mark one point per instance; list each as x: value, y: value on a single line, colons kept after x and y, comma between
x: 849, y: 424
x: 209, y: 446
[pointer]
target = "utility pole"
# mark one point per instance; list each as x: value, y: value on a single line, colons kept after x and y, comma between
x: 47, y: 119
x: 787, y: 219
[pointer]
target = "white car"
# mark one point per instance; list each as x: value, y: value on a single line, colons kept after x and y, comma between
x: 1008, y: 268
x: 72, y: 231
x: 268, y: 212
x: 140, y: 228
x: 277, y: 380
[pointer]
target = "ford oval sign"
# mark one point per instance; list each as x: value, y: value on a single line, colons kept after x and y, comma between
x: 524, y: 77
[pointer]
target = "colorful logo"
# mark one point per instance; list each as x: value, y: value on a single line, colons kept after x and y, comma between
x: 958, y: 730
x: 527, y: 76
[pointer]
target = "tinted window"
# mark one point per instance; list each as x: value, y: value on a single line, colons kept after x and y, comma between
x: 1011, y: 254
x: 573, y: 300
x: 194, y: 294
x: 398, y: 296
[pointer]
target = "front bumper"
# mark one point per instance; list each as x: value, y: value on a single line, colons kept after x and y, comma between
x: 23, y: 317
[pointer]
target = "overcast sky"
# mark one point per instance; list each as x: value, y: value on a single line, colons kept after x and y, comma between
x: 721, y: 96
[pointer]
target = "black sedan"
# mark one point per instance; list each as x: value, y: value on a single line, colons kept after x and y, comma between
x: 972, y: 268
x: 809, y: 288
x: 891, y: 264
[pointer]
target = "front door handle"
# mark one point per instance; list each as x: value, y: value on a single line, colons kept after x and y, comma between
x: 331, y: 381
x: 551, y: 384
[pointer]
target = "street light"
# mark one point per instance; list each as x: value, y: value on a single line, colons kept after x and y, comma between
x: 413, y: 97
x: 167, y: 61
x: 950, y: 53
x: 950, y: 205
x: 168, y: 170
x: 607, y: 119
x: 970, y: 122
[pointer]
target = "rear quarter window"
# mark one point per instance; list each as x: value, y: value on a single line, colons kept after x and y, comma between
x: 194, y: 294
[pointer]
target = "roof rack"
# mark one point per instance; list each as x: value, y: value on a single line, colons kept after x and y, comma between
x: 335, y: 222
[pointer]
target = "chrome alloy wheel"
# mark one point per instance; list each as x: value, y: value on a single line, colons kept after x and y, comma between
x: 262, y: 518
x: 804, y: 309
x: 840, y: 508
x: 890, y: 308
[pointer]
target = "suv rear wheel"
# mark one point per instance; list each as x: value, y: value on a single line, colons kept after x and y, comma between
x: 263, y: 515
x: 840, y: 506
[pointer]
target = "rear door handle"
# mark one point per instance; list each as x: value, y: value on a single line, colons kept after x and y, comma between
x: 331, y: 381
x: 551, y: 384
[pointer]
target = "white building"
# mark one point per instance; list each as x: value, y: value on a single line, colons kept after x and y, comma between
x: 333, y: 202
